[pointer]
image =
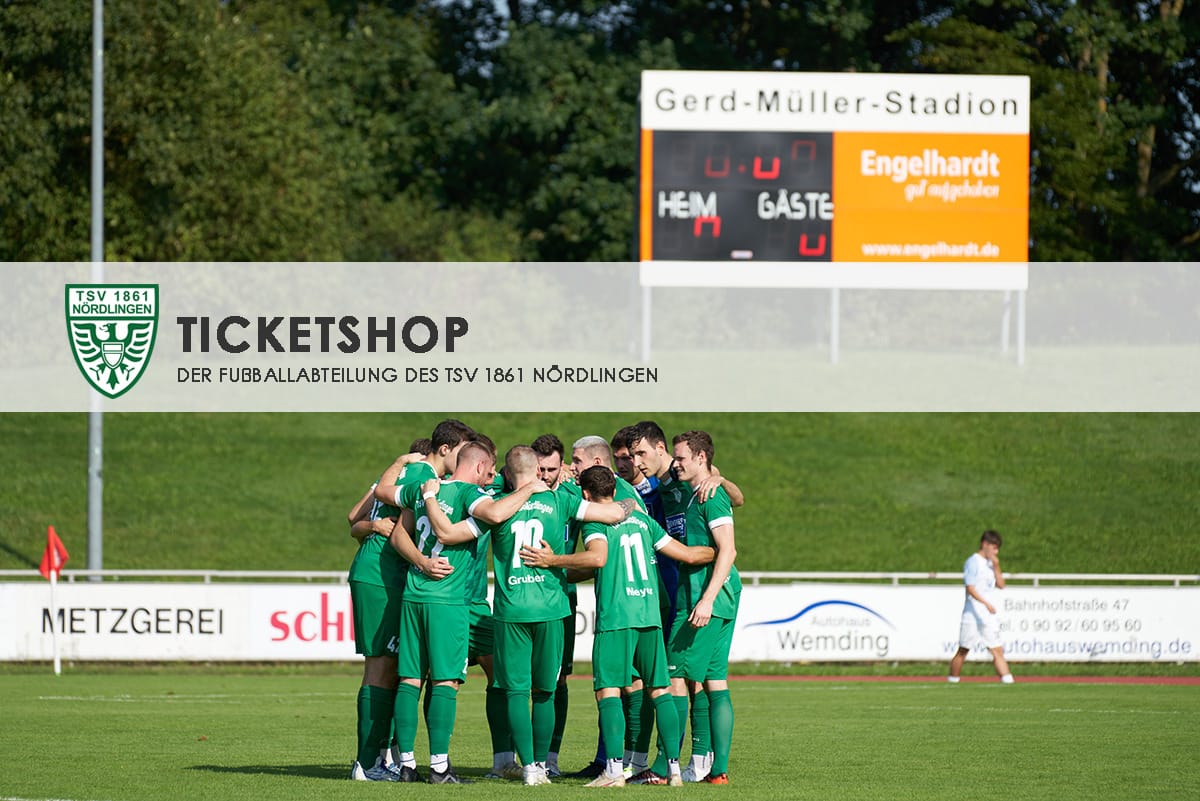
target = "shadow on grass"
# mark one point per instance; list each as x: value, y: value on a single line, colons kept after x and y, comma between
x: 319, y: 771
x: 300, y: 771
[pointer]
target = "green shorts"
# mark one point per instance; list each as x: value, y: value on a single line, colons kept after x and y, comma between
x: 376, y: 618
x: 699, y: 654
x: 528, y: 655
x: 482, y: 638
x: 621, y: 655
x: 433, y: 639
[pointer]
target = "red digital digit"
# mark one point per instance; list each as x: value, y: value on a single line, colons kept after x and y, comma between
x: 805, y: 250
x: 766, y: 175
x: 711, y: 171
x: 700, y: 222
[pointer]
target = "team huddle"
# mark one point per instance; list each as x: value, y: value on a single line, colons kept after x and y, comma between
x: 650, y: 521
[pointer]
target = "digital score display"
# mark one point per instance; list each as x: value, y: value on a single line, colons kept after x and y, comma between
x: 737, y: 196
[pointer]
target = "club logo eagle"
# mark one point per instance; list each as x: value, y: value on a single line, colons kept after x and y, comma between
x: 112, y: 329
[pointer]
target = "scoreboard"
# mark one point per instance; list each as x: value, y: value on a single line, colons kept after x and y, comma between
x: 741, y: 195
x: 833, y: 167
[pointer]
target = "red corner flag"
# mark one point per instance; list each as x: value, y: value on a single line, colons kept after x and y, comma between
x: 55, y: 556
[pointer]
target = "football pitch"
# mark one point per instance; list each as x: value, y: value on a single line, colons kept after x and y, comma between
x: 271, y: 734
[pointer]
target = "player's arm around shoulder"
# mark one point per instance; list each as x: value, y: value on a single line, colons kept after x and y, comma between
x: 387, y: 489
x: 493, y: 511
x: 401, y: 540
x: 707, y: 489
x: 606, y: 512
x: 446, y: 532
x: 359, y: 517
x: 685, y: 554
x: 594, y: 554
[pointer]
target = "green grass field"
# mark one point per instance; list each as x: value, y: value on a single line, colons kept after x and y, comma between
x: 271, y: 735
x: 1104, y: 493
x: 1072, y: 493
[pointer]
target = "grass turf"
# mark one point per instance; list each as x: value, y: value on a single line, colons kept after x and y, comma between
x: 269, y: 736
x: 1103, y: 493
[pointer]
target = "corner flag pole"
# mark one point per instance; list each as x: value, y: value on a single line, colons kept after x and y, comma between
x: 53, y: 559
x: 53, y: 627
x: 95, y: 492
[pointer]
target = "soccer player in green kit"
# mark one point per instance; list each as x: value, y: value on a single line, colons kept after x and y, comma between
x: 434, y: 615
x: 668, y: 504
x: 377, y: 579
x: 530, y: 603
x: 708, y: 599
x: 591, y: 451
x: 628, y: 618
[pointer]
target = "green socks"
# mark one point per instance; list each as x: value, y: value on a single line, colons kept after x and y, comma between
x: 701, y: 728
x: 443, y: 707
x: 561, y: 698
x: 721, y: 713
x: 543, y: 724
x: 408, y: 700
x: 497, y: 717
x: 375, y: 708
x: 612, y: 724
x: 668, y: 726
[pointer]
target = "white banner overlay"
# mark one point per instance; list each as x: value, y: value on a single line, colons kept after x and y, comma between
x: 406, y: 337
x: 776, y: 623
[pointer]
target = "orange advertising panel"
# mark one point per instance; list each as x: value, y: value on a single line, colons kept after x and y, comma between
x: 930, y: 197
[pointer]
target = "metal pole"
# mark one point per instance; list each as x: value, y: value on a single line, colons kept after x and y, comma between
x: 95, y: 501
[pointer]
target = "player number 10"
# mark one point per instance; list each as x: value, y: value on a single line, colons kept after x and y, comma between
x: 527, y: 533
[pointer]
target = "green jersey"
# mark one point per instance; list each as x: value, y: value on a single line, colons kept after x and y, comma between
x: 376, y: 561
x: 456, y: 499
x: 700, y: 519
x: 624, y: 491
x: 479, y: 581
x: 530, y: 594
x: 628, y: 586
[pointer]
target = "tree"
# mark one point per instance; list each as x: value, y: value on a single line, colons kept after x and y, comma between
x: 1113, y: 123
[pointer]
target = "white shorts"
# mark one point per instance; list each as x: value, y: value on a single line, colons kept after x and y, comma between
x: 979, y: 632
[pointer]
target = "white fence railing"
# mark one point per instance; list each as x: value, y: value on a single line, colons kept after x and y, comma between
x: 748, y: 577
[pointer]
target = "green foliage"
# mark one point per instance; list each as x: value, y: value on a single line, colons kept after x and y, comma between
x: 421, y: 130
x: 1113, y: 161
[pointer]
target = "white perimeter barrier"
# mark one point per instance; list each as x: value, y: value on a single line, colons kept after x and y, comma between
x: 794, y: 622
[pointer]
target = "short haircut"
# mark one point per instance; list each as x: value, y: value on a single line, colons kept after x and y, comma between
x: 547, y: 444
x: 698, y: 442
x: 594, y: 446
x: 649, y: 431
x: 990, y: 536
x: 474, y: 452
x: 450, y: 432
x: 485, y: 441
x: 423, y: 446
x: 598, y: 482
x: 521, y: 460
x: 624, y: 438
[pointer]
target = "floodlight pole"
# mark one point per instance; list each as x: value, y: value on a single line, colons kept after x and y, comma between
x: 95, y: 491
